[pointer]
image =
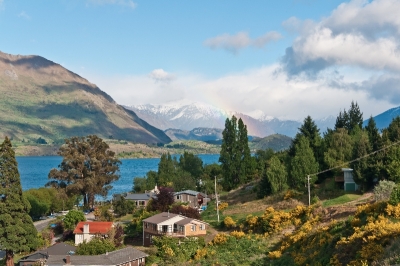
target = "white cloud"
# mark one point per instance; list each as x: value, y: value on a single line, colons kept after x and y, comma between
x: 126, y: 3
x: 233, y: 43
x: 160, y: 75
x: 359, y: 33
x: 263, y: 89
x: 23, y: 14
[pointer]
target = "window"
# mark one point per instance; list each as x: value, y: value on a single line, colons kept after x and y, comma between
x: 146, y: 225
x: 178, y: 197
x: 193, y: 228
x: 202, y: 227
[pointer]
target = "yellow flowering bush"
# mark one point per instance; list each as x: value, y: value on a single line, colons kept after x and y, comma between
x: 200, y: 253
x: 220, y: 238
x: 237, y: 234
x: 393, y: 211
x: 222, y: 206
x: 252, y: 220
x: 229, y: 222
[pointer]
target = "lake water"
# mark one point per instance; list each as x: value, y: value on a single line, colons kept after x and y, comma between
x: 34, y: 170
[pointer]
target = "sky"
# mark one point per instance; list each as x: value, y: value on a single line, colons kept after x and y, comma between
x: 285, y: 59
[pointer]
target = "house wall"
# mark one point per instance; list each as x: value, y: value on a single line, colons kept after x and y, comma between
x: 147, y: 238
x: 79, y: 238
x: 192, y: 200
x: 196, y: 232
x: 137, y: 262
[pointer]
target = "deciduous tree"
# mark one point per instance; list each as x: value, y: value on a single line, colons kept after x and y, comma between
x: 17, y: 232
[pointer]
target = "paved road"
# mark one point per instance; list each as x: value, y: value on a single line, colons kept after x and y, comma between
x: 42, y: 224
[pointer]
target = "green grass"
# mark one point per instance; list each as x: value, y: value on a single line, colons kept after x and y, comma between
x: 340, y: 200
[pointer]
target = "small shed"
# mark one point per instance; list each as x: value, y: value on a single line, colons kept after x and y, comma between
x: 349, y: 184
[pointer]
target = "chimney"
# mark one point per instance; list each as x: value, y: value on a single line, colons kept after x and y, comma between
x: 86, y: 228
x: 68, y: 259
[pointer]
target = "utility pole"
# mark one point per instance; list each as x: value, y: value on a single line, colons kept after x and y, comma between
x: 309, y: 194
x: 216, y: 195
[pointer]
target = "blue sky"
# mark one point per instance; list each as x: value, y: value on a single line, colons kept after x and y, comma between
x: 286, y: 59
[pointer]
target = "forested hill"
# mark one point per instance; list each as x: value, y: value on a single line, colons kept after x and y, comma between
x: 42, y: 99
x: 276, y: 142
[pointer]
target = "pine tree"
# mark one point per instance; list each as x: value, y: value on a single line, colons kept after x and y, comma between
x: 373, y: 134
x: 361, y: 148
x: 355, y: 117
x: 166, y: 170
x: 17, y: 232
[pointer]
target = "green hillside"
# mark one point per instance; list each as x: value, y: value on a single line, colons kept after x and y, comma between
x: 277, y: 142
x: 41, y: 99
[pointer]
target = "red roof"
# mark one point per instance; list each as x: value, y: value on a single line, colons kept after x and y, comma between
x: 94, y: 227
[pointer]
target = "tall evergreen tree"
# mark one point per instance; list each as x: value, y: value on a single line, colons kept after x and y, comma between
x: 339, y: 148
x: 17, y: 232
x: 302, y: 164
x: 373, y: 134
x: 393, y: 129
x: 277, y: 175
x: 342, y: 120
x: 361, y: 148
x: 235, y: 157
x: 166, y: 170
x: 355, y: 117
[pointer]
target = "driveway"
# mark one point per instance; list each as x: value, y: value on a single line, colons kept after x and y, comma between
x: 42, y: 224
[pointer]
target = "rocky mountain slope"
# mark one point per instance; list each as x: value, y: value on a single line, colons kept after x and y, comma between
x: 42, y: 99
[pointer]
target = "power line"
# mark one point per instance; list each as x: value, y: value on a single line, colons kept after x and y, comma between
x: 357, y: 159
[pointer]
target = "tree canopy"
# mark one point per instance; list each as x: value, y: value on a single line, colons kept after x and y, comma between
x: 17, y: 232
x: 88, y: 168
x: 235, y: 158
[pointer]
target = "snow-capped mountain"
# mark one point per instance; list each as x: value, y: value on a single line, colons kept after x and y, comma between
x: 187, y: 116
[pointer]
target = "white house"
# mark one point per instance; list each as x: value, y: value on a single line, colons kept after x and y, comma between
x: 85, y: 231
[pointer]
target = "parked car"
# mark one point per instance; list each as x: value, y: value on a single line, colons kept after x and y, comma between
x: 43, y: 218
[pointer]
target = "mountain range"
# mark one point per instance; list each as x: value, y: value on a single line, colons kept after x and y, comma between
x: 187, y: 116
x: 41, y: 100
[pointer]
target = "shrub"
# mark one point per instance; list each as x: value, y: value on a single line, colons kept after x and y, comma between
x: 96, y: 246
x: 237, y: 234
x: 383, y: 190
x: 223, y: 206
x: 72, y: 218
x: 395, y: 195
x: 229, y: 222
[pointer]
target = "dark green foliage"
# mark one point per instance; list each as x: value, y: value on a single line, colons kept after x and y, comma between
x: 361, y: 148
x: 122, y: 206
x: 72, y: 218
x: 41, y: 141
x: 166, y: 170
x: 274, y: 179
x: 373, y: 134
x: 351, y: 119
x: 393, y: 129
x: 96, y: 246
x: 164, y: 199
x: 192, y: 164
x: 338, y: 148
x: 236, y: 161
x: 211, y: 172
x: 88, y: 168
x: 302, y: 164
x: 276, y: 142
x: 17, y: 232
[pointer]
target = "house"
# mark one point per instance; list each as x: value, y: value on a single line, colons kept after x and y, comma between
x: 141, y: 199
x: 349, y: 183
x: 61, y: 249
x: 123, y: 257
x: 171, y: 224
x: 85, y: 231
x: 193, y: 198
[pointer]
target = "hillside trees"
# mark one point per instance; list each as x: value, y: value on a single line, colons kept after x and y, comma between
x: 275, y: 178
x: 88, y: 168
x: 302, y: 164
x: 17, y: 232
x: 235, y: 158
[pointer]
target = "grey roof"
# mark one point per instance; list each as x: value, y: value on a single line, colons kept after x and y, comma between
x: 57, y: 249
x: 159, y: 218
x: 138, y: 196
x: 184, y: 221
x: 188, y: 191
x: 117, y: 257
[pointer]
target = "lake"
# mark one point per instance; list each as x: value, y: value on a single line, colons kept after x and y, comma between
x: 35, y: 169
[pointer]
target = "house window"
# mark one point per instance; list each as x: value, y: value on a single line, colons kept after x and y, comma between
x: 146, y: 225
x: 202, y: 227
x: 142, y: 202
x: 193, y: 228
x: 179, y: 197
x: 181, y: 228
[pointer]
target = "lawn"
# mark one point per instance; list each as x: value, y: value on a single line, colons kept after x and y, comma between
x: 340, y: 200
